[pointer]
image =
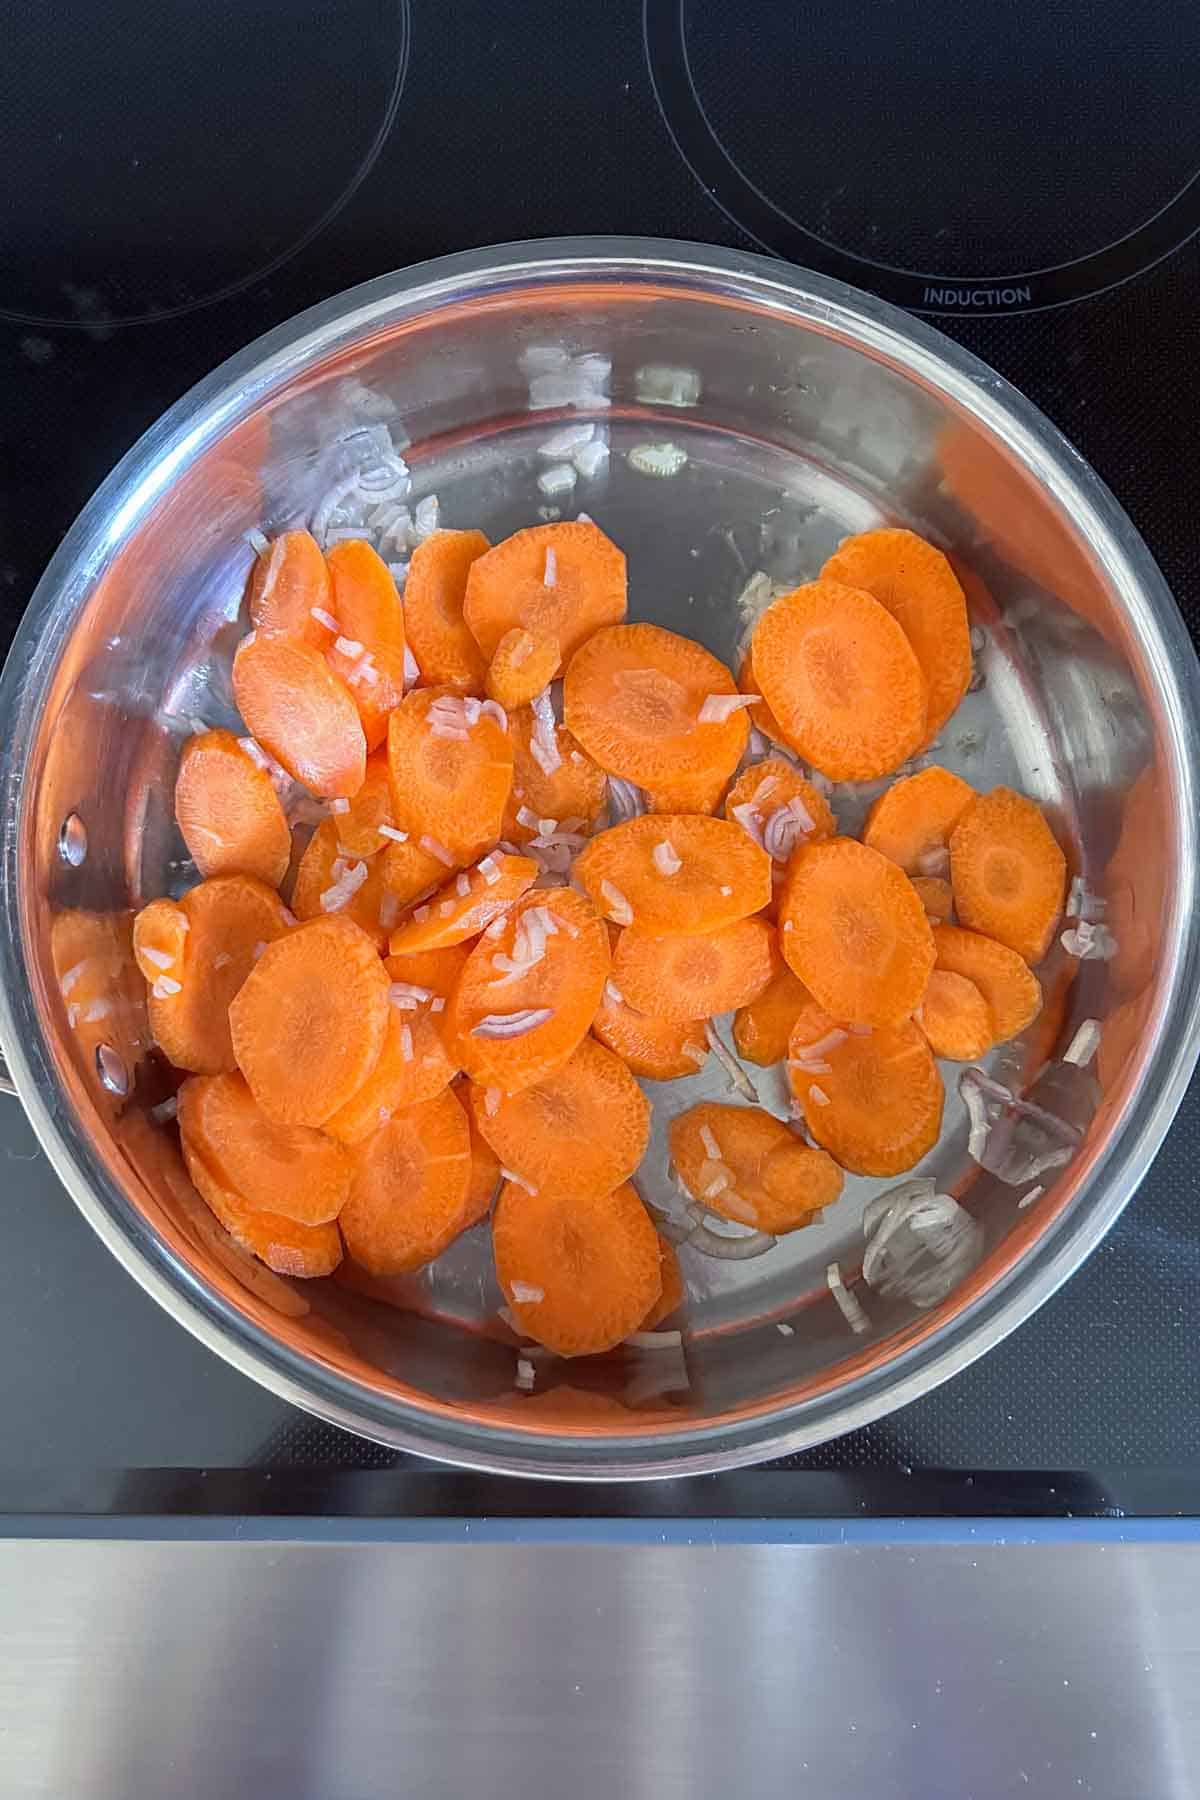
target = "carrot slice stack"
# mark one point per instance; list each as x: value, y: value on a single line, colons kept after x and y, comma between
x: 916, y: 584
x: 287, y: 1169
x: 955, y: 1017
x: 682, y: 874
x: 911, y: 823
x: 747, y: 1166
x: 445, y: 651
x: 467, y: 904
x: 1005, y: 980
x: 936, y: 896
x: 569, y: 794
x: 358, y: 825
x: 368, y: 653
x: 581, y: 1131
x: 654, y: 1048
x: 408, y: 1196
x: 530, y: 990
x: 654, y: 708
x: 309, y: 1022
x: 841, y: 679
x: 685, y: 978
x: 451, y: 767
x: 1008, y: 873
x: 559, y: 583
x: 521, y: 667
x: 763, y: 1026
x: 328, y: 881
x: 873, y: 1100
x: 578, y: 1275
x: 853, y: 930
x: 228, y: 811
x: 289, y: 1248
x: 290, y: 588
x: 222, y: 926
x: 297, y: 708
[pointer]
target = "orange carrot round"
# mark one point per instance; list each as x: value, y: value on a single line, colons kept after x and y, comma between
x: 297, y: 708
x: 653, y: 707
x: 578, y: 1275
x: 559, y: 582
x: 842, y: 680
x: 484, y: 1182
x: 916, y: 584
x: 747, y: 1166
x: 682, y: 874
x: 955, y: 1017
x: 287, y: 1169
x: 228, y: 811
x: 325, y: 884
x: 414, y: 1065
x: 936, y: 896
x: 445, y: 651
x: 301, y: 1251
x: 410, y: 873
x: 466, y: 905
x: 358, y: 827
x: 530, y: 990
x: 451, y: 768
x: 873, y: 1100
x: 368, y: 652
x: 763, y: 1026
x: 1008, y: 873
x: 911, y: 823
x: 521, y: 667
x: 1005, y: 980
x: 686, y: 978
x: 580, y: 1131
x: 408, y: 1195
x: 779, y: 807
x: 853, y: 930
x: 308, y: 1024
x: 572, y: 793
x: 289, y: 587
x: 689, y: 793
x: 655, y: 1049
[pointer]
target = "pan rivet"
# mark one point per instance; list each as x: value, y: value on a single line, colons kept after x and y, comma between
x: 111, y: 1070
x: 72, y: 840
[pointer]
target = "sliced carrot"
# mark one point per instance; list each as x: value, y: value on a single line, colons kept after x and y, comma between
x: 578, y: 1132
x: 747, y: 1166
x: 1008, y: 873
x: 779, y: 807
x: 578, y: 1275
x: 322, y: 884
x: 955, y: 1017
x: 289, y: 579
x: 656, y: 1049
x: 368, y: 653
x: 414, y: 1065
x: 911, y: 823
x: 1005, y: 980
x: 409, y: 1193
x: 229, y: 922
x: 842, y: 680
x: 411, y: 873
x: 159, y: 941
x: 633, y: 696
x: 630, y: 873
x: 297, y: 708
x: 936, y: 896
x: 674, y: 1293
x: 484, y: 1180
x: 573, y: 793
x: 541, y: 1004
x: 308, y: 1024
x: 761, y: 716
x: 921, y: 591
x: 463, y: 907
x: 451, y: 768
x: 762, y: 1027
x: 521, y: 667
x: 358, y: 826
x: 302, y: 1251
x: 685, y: 978
x: 853, y: 930
x: 689, y: 794
x: 560, y: 582
x: 288, y: 1169
x: 228, y: 811
x: 437, y: 970
x: 874, y: 1099
x: 445, y: 651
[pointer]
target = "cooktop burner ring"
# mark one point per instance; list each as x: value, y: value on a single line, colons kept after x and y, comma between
x: 745, y: 202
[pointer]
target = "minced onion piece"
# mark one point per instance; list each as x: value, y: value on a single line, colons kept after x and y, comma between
x: 426, y: 517
x: 1082, y: 903
x: 619, y: 909
x: 655, y: 1340
x: 491, y: 1101
x: 492, y: 709
x: 848, y: 1303
x: 389, y: 912
x: 349, y: 647
x: 507, y: 1025
x: 346, y: 884
x: 433, y: 848
x: 406, y: 1043
x: 785, y: 1330
x: 165, y: 986
x: 711, y: 1147
x: 391, y: 831
x: 1084, y: 1044
x: 1089, y: 942
x: 98, y: 1009
x: 258, y: 540
x: 715, y: 709
x: 255, y: 752
x: 526, y: 1375
x: 408, y: 990
x: 412, y: 671
x: 665, y: 858
x: 462, y: 884
x: 818, y: 1096
x: 589, y: 459
x: 726, y: 891
x: 339, y: 806
x: 525, y: 1294
x: 517, y: 1180
x: 730, y: 1249
x: 166, y: 1109
x: 748, y: 817
x: 67, y: 981
x: 820, y: 1047
x: 323, y: 618
x: 1035, y: 1193
x: 543, y: 742
x: 732, y: 1069
x: 625, y: 800
x: 558, y: 480
x: 571, y: 437
x: 787, y: 826
x: 159, y: 958
x: 550, y: 573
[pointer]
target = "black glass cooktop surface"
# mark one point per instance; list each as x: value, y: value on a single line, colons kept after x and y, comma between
x: 178, y: 184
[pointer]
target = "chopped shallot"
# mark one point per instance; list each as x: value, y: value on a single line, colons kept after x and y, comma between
x: 324, y: 618
x: 349, y: 647
x: 515, y: 1024
x: 406, y: 1043
x: 919, y: 1243
x: 711, y: 1147
x: 165, y: 986
x: 408, y: 990
x: 543, y: 742
x: 432, y: 847
x: 748, y: 818
x: 159, y: 958
x: 346, y: 884
x: 1089, y: 942
x: 517, y: 1180
x: 1084, y: 1044
x: 716, y: 708
x: 787, y: 826
x: 339, y: 806
x: 391, y: 831
x: 525, y: 1294
x: 550, y: 576
x: 619, y: 909
x: 625, y: 801
x: 732, y: 1069
x: 666, y: 861
x: 849, y: 1304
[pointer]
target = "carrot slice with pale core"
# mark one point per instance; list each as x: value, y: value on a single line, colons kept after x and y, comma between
x: 686, y: 978
x: 842, y: 680
x: 873, y: 1100
x: 631, y: 874
x: 578, y: 1275
x: 1004, y: 978
x: 409, y: 1191
x: 853, y: 930
x: 309, y: 1022
x: 287, y: 1169
x: 560, y: 582
x: 467, y: 903
x: 451, y: 769
x: 761, y: 1174
x: 521, y: 667
x: 301, y: 713
x: 579, y: 1132
x: 228, y: 811
x: 916, y: 584
x: 955, y: 1017
x: 911, y: 823
x: 1008, y: 872
x: 445, y: 651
